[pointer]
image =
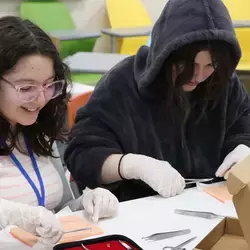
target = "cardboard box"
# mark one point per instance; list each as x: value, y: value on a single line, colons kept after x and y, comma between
x: 233, y: 233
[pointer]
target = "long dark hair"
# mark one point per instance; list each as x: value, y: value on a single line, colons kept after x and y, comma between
x: 19, y: 38
x: 207, y: 94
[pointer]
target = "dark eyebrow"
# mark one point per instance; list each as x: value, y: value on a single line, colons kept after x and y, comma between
x: 209, y: 64
x: 32, y: 80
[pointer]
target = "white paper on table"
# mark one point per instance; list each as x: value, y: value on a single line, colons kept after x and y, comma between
x: 64, y: 212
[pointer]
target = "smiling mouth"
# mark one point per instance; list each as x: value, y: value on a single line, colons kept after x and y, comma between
x: 31, y: 109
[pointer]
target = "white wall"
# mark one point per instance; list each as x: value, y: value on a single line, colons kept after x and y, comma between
x: 89, y: 15
x: 95, y: 9
x: 11, y: 7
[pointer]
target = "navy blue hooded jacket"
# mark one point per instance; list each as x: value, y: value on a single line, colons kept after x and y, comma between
x: 121, y: 118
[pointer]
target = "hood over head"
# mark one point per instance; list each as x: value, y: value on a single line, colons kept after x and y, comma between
x: 183, y: 22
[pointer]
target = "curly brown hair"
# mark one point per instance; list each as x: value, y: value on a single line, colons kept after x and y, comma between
x: 19, y: 38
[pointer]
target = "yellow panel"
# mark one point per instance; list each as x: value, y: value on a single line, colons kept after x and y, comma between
x: 129, y: 46
x: 128, y: 13
x: 243, y: 35
x: 240, y: 10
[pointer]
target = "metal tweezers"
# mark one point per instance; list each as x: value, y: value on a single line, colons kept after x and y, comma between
x: 77, y: 230
x: 201, y: 214
x: 166, y: 235
x: 192, y: 181
x: 85, y: 248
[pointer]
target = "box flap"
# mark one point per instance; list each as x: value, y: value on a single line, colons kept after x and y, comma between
x: 239, y: 185
x: 239, y: 176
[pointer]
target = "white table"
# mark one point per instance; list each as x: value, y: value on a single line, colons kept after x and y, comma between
x: 91, y: 62
x: 142, y: 217
x: 79, y: 88
x: 125, y: 32
x: 66, y: 35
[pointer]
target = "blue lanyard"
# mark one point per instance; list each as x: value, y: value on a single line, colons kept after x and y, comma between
x: 40, y: 197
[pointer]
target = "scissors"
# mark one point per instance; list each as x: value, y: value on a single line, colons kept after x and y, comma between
x: 179, y: 247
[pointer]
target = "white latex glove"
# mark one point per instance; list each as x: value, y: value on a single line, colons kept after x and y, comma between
x: 235, y: 156
x: 99, y: 203
x: 159, y: 175
x: 35, y: 219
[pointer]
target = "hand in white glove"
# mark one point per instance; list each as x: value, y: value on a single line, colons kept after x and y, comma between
x: 237, y: 155
x: 33, y: 219
x: 99, y: 203
x: 159, y: 175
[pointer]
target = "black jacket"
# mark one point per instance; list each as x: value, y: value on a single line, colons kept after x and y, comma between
x: 123, y: 117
